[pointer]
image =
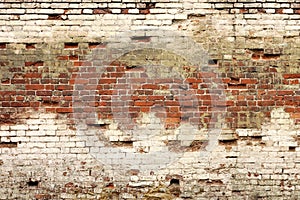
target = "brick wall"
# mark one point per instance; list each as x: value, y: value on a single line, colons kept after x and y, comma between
x: 149, y: 99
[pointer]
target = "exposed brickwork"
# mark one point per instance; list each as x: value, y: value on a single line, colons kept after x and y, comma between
x: 249, y: 90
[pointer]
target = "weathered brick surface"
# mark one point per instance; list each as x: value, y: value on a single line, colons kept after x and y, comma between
x: 76, y: 123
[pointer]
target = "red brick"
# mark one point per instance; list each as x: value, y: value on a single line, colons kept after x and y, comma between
x: 50, y: 110
x: 3, y: 64
x: 5, y: 82
x: 187, y: 103
x: 67, y: 92
x: 248, y: 81
x: 255, y: 56
x: 62, y: 57
x: 270, y: 57
x: 42, y: 196
x: 64, y: 110
x: 71, y: 45
x: 145, y: 109
x: 2, y: 45
x: 172, y: 103
x: 19, y: 98
x: 172, y: 120
x: 73, y: 57
x: 242, y: 11
x: 285, y: 92
x: 19, y: 81
x: 173, y: 109
x: 252, y: 103
x: 78, y: 63
x: 82, y: 63
x: 241, y: 103
x: 207, y: 103
x: 235, y: 109
x: 35, y: 104
x: 163, y: 81
x: 291, y: 76
x: 101, y: 11
x: 64, y: 87
x: 173, y: 115
x: 30, y: 92
x: 144, y: 11
x: 294, y: 82
x: 107, y: 80
x: 279, y: 11
x: 193, y: 80
x: 150, y: 86
x: 105, y: 92
x: 143, y: 103
x: 79, y: 81
x: 33, y: 75
x: 155, y: 98
x: 94, y: 45
x: 266, y: 103
x: 30, y: 46
x: 36, y: 64
x: 295, y: 115
x: 124, y: 11
x: 204, y: 97
x: 5, y: 104
x: 135, y: 98
x: 49, y: 87
x: 289, y: 109
x: 44, y: 93
x: 237, y: 86
x: 19, y: 104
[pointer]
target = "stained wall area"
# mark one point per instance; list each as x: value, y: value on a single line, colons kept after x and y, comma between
x: 149, y: 99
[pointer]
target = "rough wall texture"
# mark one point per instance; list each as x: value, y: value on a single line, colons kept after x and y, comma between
x: 142, y: 99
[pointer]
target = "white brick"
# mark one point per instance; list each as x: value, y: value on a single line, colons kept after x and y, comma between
x: 133, y: 11
x: 15, y: 11
x: 4, y: 128
x: 116, y: 11
x: 157, y: 11
x: 81, y: 17
x: 79, y: 150
x: 67, y: 144
x: 130, y: 5
x: 45, y: 5
x: 35, y: 121
x: 271, y: 5
x: 288, y: 11
x: 48, y: 115
x: 19, y: 127
x: 60, y: 5
x: 80, y: 144
x: 33, y: 127
x: 87, y: 11
x: 164, y: 16
x: 50, y: 150
x: 48, y: 127
x: 180, y: 16
x: 116, y: 5
x: 33, y: 17
x: 44, y: 139
x: 270, y: 11
x: 203, y: 5
x: 35, y: 133
x: 7, y: 133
